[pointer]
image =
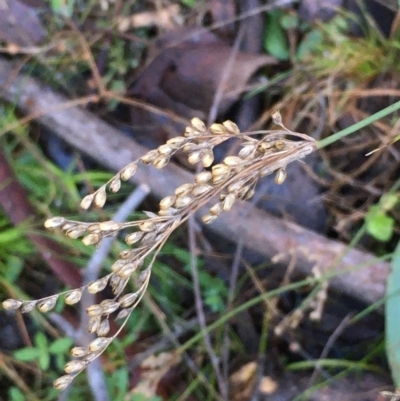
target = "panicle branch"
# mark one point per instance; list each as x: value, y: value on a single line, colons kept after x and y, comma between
x: 235, y: 178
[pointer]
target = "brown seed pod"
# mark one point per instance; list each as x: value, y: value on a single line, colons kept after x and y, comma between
x: 208, y: 218
x: 183, y: 201
x: 208, y: 158
x: 149, y: 157
x: 94, y: 310
x: 28, y: 307
x: 99, y: 344
x: 177, y: 141
x: 104, y: 328
x: 87, y: 202
x: 115, y: 184
x: 11, y: 304
x: 183, y: 189
x: 166, y: 149
x: 195, y: 157
x: 79, y: 352
x: 98, y: 285
x: 73, y: 297
x: 167, y: 202
x: 54, y: 222
x: 74, y: 366
x: 161, y: 161
x: 134, y: 237
x: 129, y: 171
x: 94, y: 323
x: 231, y: 127
x: 218, y: 129
x: 198, y: 124
x: 128, y: 300
x: 280, y: 176
x: 203, y: 177
x: 47, y: 304
x: 62, y: 382
x: 91, y: 239
x: 228, y: 202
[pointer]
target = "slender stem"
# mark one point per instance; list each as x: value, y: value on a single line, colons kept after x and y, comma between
x: 355, y: 127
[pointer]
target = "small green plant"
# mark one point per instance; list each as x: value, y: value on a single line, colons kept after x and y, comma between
x: 380, y: 224
x: 42, y: 352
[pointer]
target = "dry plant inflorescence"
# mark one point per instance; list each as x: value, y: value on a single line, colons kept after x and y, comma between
x: 233, y: 179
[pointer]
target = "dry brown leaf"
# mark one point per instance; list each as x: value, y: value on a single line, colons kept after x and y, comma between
x: 185, y: 77
x: 242, y: 382
x: 19, y: 24
x: 152, y: 370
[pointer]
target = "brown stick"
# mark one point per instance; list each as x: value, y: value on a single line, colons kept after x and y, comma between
x: 261, y: 233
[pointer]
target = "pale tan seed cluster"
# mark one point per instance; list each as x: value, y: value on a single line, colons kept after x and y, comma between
x: 233, y: 179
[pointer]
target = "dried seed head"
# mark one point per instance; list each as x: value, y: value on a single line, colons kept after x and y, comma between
x: 198, y: 124
x: 161, y: 161
x: 277, y: 118
x: 115, y: 184
x: 73, y: 297
x: 100, y: 197
x: 62, y: 382
x: 109, y: 226
x: 228, y: 202
x: 167, y: 202
x: 220, y: 169
x: 232, y: 160
x: 208, y: 218
x: 218, y: 179
x: 79, y: 352
x: 190, y: 147
x: 165, y: 149
x: 98, y: 285
x: 216, y: 209
x: 183, y: 201
x: 94, y: 323
x: 203, y: 177
x: 87, y: 202
x: 207, y: 158
x: 199, y: 190
x: 195, y: 157
x: 231, y: 127
x: 177, y: 141
x: 143, y: 277
x: 127, y: 270
x: 149, y: 238
x: 218, y: 129
x: 129, y: 171
x: 109, y: 306
x: 149, y: 157
x: 76, y: 232
x: 93, y: 228
x: 11, y: 304
x: 54, y: 222
x: 91, y: 239
x: 99, y: 344
x: 128, y: 300
x: 118, y: 264
x: 28, y: 307
x: 146, y: 226
x: 123, y: 314
x: 94, y: 310
x: 47, y: 304
x: 104, y: 328
x: 280, y: 176
x: 247, y: 151
x: 74, y: 366
x: 183, y: 189
x: 133, y: 238
x: 248, y: 193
